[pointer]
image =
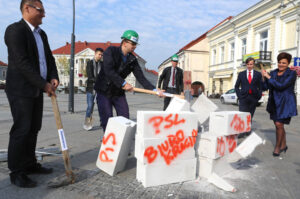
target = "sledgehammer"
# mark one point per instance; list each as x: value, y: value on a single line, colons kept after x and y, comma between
x: 67, y: 162
x: 141, y: 90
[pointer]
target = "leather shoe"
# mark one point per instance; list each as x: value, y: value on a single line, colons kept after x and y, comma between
x: 22, y: 180
x: 39, y: 169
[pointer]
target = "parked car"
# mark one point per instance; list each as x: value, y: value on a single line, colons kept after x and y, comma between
x: 231, y: 98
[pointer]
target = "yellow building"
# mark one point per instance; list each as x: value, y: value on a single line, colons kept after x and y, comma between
x: 262, y: 31
x: 194, y: 60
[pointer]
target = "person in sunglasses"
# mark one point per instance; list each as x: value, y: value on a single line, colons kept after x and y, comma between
x: 31, y: 71
x: 118, y: 63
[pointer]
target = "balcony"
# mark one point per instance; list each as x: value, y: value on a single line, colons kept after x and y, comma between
x: 259, y: 56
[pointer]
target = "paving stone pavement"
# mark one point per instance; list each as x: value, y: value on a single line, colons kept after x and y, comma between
x: 259, y: 176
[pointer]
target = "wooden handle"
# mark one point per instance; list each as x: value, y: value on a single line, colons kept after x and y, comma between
x: 56, y: 112
x: 141, y: 90
x: 66, y: 157
x: 262, y: 67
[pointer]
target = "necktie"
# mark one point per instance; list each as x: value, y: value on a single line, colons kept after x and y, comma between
x: 173, y: 77
x: 249, y: 80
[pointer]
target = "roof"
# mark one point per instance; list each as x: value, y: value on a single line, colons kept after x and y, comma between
x: 152, y: 71
x: 80, y: 46
x: 2, y: 63
x: 202, y: 36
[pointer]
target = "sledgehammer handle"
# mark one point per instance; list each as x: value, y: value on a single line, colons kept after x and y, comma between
x: 141, y: 90
x: 65, y: 153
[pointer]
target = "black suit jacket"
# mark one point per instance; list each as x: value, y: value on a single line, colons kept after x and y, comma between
x: 112, y: 76
x: 91, y: 75
x: 23, y: 73
x: 255, y: 86
x: 165, y: 78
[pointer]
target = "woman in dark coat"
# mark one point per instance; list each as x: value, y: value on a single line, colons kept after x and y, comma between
x: 282, y: 103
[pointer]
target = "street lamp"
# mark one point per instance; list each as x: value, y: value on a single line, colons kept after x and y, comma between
x: 71, y: 84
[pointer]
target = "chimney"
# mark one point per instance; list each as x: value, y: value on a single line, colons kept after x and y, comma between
x: 108, y: 43
x: 67, y: 43
x: 85, y: 43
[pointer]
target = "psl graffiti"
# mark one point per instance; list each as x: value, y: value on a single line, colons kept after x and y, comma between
x: 227, y: 143
x: 103, y: 156
x: 240, y: 125
x: 167, y: 122
x: 173, y: 146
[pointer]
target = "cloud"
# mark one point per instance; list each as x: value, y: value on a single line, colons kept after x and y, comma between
x: 164, y: 26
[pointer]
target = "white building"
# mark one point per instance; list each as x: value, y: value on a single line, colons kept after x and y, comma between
x: 3, y: 71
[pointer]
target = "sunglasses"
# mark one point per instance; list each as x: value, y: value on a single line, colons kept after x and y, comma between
x: 132, y: 43
x: 40, y: 10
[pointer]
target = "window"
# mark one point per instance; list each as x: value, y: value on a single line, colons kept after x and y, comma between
x: 231, y: 51
x: 222, y: 54
x: 244, y: 46
x: 263, y: 43
x: 4, y: 74
x: 214, y: 57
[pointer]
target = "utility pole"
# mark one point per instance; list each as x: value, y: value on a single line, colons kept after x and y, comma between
x: 71, y: 84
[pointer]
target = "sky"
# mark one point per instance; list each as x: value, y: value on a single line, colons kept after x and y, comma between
x: 164, y: 26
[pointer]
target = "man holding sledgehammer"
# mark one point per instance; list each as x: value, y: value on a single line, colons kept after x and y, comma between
x: 118, y: 63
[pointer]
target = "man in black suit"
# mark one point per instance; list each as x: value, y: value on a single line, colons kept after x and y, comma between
x: 118, y: 63
x: 172, y: 78
x: 248, y: 88
x: 93, y: 68
x: 31, y: 70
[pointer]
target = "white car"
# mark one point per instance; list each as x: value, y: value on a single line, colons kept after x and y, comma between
x: 231, y: 98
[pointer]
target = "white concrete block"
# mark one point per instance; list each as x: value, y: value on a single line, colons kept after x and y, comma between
x: 203, y: 107
x: 229, y: 122
x: 214, y: 146
x: 221, y: 183
x: 160, y: 124
x: 116, y: 145
x: 206, y: 166
x: 160, y: 173
x: 164, y: 150
x: 249, y: 144
x: 178, y: 104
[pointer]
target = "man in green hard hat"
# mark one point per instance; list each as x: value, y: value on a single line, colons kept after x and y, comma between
x: 118, y: 63
x: 172, y: 78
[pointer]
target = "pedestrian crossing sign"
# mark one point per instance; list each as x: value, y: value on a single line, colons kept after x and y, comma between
x: 296, y: 61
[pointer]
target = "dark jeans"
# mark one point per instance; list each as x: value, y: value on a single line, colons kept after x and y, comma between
x: 248, y: 105
x: 27, y: 116
x: 168, y: 99
x: 105, y: 105
x: 90, y: 103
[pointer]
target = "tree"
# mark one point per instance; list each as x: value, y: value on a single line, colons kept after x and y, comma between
x: 63, y: 65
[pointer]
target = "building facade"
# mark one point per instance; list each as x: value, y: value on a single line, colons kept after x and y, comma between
x: 85, y: 51
x: 194, y: 60
x: 262, y: 32
x: 3, y: 72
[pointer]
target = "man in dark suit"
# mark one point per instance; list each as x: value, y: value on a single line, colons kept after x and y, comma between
x: 248, y: 88
x: 172, y: 78
x: 31, y: 70
x: 93, y: 68
x: 118, y: 63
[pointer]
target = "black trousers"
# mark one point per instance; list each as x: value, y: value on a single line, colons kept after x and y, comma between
x: 168, y: 99
x: 248, y: 105
x: 27, y: 116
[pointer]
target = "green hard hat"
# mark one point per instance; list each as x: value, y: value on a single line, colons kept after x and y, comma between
x: 174, y: 58
x: 131, y: 35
